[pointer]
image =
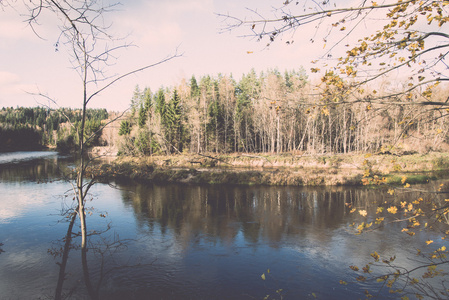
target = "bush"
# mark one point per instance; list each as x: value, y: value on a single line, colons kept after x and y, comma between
x: 440, y: 163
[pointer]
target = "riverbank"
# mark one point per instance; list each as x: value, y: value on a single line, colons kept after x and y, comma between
x: 284, y: 169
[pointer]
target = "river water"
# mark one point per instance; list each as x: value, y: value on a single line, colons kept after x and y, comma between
x: 188, y: 241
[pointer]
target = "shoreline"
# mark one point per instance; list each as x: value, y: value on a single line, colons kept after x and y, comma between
x: 280, y: 170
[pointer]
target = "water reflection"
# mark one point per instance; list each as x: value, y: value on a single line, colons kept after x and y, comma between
x: 193, y: 242
x: 36, y: 167
x: 261, y: 214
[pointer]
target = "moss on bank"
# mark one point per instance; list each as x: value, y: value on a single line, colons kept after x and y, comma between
x: 276, y: 169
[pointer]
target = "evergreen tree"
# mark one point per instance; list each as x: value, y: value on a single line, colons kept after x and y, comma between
x: 174, y: 128
x: 125, y: 128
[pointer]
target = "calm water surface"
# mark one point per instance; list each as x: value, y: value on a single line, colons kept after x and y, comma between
x: 187, y: 242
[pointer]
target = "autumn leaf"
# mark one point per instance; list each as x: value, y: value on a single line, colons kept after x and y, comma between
x: 354, y: 268
x: 379, y: 220
x: 392, y: 210
x: 429, y: 242
x: 363, y: 213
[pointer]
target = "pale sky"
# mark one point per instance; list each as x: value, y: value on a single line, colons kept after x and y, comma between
x: 158, y: 28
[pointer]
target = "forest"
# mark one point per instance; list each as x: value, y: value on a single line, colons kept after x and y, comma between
x: 275, y: 112
x: 270, y: 112
x: 36, y: 128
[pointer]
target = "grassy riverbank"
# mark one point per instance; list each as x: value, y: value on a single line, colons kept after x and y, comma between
x: 284, y: 169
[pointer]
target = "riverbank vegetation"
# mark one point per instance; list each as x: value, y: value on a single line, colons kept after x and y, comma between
x: 285, y: 169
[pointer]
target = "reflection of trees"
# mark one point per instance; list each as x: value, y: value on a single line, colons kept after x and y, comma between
x: 40, y: 170
x: 220, y: 213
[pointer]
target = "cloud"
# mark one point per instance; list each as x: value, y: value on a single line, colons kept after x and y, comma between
x: 11, y: 83
x: 8, y: 78
x: 163, y: 23
x: 13, y: 29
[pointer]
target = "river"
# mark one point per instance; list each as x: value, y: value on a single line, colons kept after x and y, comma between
x: 189, y: 241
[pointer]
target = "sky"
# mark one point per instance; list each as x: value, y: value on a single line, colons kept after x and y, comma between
x: 30, y: 64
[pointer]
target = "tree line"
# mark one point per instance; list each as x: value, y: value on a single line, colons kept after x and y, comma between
x: 274, y: 112
x: 25, y: 128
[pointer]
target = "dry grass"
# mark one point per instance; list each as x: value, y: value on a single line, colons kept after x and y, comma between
x: 285, y: 169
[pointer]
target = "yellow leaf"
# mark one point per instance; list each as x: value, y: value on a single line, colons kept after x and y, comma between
x: 404, y: 178
x: 263, y: 276
x: 392, y: 209
x: 429, y: 242
x: 354, y: 268
x: 375, y: 255
x: 363, y: 213
x: 391, y: 192
x: 379, y: 220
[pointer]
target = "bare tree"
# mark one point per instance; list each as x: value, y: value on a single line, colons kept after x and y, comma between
x: 91, y: 49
